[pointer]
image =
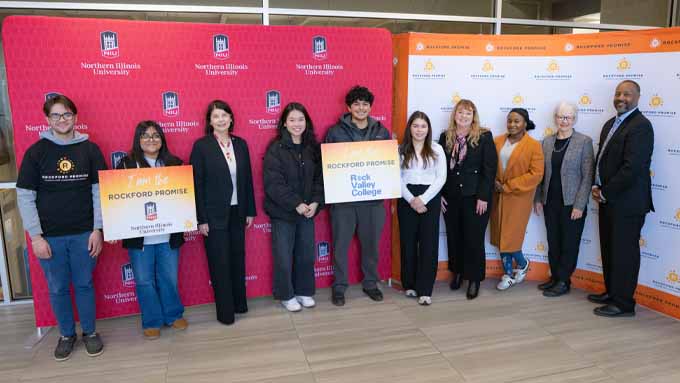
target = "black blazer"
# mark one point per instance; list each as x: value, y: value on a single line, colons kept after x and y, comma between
x: 291, y: 178
x: 476, y: 175
x: 176, y: 239
x: 212, y: 181
x: 624, y: 165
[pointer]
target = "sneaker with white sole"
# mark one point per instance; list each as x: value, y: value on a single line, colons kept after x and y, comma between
x: 292, y: 305
x: 411, y: 293
x: 306, y: 302
x: 505, y: 283
x: 520, y: 274
x: 425, y: 300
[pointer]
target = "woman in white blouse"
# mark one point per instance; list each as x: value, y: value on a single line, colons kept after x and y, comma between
x: 423, y: 174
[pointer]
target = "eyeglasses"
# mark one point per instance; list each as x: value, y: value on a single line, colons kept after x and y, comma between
x: 154, y: 136
x: 564, y: 118
x: 68, y: 116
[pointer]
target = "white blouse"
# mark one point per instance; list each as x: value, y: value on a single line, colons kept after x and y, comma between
x: 230, y: 157
x: 434, y: 175
x: 506, y: 152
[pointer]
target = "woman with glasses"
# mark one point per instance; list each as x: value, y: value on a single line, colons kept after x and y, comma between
x: 225, y: 206
x: 154, y: 258
x: 520, y: 170
x: 562, y: 196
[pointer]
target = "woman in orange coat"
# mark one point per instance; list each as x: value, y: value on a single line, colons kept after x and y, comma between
x: 520, y: 170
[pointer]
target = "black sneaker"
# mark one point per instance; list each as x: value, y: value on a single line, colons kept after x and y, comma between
x: 93, y: 344
x: 64, y: 348
x: 374, y: 294
x: 338, y: 298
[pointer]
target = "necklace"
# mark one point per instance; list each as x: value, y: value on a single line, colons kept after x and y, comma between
x: 555, y: 150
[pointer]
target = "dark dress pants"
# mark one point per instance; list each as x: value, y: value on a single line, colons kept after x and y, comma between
x: 564, y: 239
x: 620, y: 250
x: 465, y: 231
x: 419, y: 236
x: 225, y: 249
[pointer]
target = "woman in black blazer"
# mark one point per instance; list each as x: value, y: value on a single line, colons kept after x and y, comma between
x: 471, y: 162
x: 225, y: 206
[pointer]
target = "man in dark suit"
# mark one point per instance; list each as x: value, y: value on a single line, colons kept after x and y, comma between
x: 623, y: 190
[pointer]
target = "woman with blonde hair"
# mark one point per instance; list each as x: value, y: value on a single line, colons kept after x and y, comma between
x: 471, y: 167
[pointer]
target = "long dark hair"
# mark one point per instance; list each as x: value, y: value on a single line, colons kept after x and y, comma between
x: 308, y: 137
x: 137, y: 154
x: 217, y: 104
x: 406, y: 148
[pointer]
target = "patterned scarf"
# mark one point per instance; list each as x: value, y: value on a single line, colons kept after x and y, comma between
x: 459, y: 150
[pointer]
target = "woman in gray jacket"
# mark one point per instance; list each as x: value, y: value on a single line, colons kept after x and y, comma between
x: 563, y: 195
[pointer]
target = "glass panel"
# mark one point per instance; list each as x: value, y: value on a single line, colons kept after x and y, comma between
x: 220, y: 3
x: 432, y: 7
x: 15, y: 245
x: 227, y: 18
x: 394, y: 26
x: 641, y: 12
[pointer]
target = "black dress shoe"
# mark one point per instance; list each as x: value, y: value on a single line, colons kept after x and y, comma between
x: 612, y: 311
x: 473, y: 290
x: 456, y: 281
x: 603, y: 298
x: 374, y: 294
x: 338, y: 298
x: 559, y: 288
x: 548, y: 284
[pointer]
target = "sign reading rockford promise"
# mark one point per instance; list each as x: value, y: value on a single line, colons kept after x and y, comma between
x: 361, y: 171
x: 147, y: 201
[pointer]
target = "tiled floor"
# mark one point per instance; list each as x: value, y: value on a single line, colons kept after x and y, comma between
x: 512, y: 336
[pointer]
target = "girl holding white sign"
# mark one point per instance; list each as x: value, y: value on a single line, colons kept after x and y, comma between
x: 423, y: 174
x: 154, y: 258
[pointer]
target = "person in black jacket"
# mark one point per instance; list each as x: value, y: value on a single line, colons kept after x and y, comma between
x: 367, y: 218
x: 293, y: 190
x: 155, y: 258
x: 225, y: 206
x: 471, y: 162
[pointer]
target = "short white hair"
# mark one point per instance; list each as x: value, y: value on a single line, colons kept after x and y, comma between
x: 568, y: 106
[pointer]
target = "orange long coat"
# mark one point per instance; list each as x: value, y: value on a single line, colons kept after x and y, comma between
x: 511, y: 209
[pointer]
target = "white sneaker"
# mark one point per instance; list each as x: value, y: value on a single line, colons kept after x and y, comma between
x: 425, y: 300
x: 306, y: 302
x: 505, y: 283
x: 411, y: 293
x: 520, y: 274
x: 292, y: 305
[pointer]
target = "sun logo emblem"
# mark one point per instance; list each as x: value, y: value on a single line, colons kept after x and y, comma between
x: 540, y: 246
x: 517, y: 100
x: 487, y: 67
x: 673, y: 277
x: 656, y: 101
x: 429, y: 66
x: 188, y: 224
x: 548, y: 132
x: 643, y: 242
x: 456, y: 98
x: 65, y: 165
x: 585, y: 100
x: 623, y: 64
x: 553, y: 66
x: 677, y: 215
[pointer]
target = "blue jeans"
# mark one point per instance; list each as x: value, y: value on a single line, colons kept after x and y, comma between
x: 155, y: 268
x: 507, y: 261
x: 71, y: 263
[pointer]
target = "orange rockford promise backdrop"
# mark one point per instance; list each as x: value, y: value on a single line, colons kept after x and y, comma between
x: 433, y: 72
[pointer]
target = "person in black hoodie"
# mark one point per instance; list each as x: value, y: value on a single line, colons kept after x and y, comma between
x: 293, y: 190
x: 155, y: 258
x: 365, y: 217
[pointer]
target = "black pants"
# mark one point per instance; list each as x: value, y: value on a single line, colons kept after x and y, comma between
x: 620, y: 250
x: 419, y: 236
x: 564, y: 239
x: 227, y: 264
x: 465, y: 231
x: 293, y: 252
